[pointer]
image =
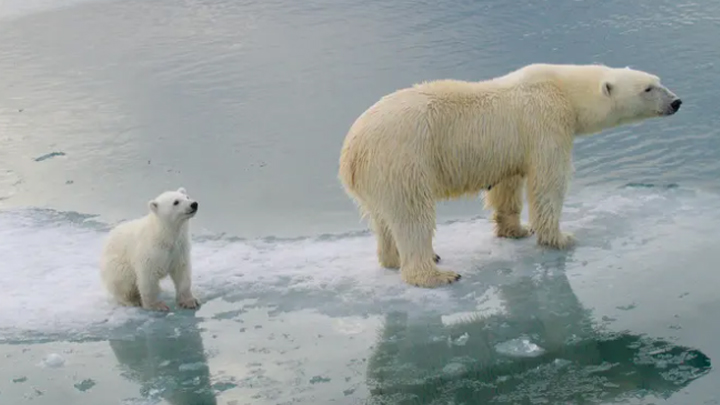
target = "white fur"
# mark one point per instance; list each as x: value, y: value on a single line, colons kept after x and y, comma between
x: 139, y: 253
x: 448, y: 138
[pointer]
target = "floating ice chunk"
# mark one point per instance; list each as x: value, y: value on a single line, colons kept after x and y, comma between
x: 191, y: 366
x: 461, y: 341
x: 520, y: 347
x: 560, y: 363
x: 454, y: 369
x: 53, y: 360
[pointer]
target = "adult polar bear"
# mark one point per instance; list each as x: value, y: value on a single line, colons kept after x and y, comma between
x: 448, y: 138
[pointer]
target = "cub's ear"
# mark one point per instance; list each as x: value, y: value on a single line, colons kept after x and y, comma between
x: 607, y: 88
x: 153, y: 205
x: 182, y: 190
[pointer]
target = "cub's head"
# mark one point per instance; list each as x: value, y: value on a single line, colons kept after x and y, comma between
x: 174, y: 206
x: 634, y: 95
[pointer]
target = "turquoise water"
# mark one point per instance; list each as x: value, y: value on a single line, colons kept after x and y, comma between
x: 104, y: 104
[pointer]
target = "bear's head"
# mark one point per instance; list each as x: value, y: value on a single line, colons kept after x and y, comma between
x: 634, y: 95
x: 606, y: 97
x: 173, y: 207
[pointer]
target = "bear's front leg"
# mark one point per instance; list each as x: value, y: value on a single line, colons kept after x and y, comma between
x: 547, y: 184
x: 181, y: 277
x: 149, y: 287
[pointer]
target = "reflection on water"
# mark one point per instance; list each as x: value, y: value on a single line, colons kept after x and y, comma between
x: 167, y: 364
x: 541, y: 348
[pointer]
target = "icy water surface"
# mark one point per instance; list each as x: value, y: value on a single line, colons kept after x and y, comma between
x: 315, y: 320
x: 103, y: 104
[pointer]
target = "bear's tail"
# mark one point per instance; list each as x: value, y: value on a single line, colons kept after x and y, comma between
x: 348, y: 170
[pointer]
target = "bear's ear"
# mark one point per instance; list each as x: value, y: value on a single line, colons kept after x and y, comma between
x: 182, y: 190
x: 607, y: 88
x: 153, y: 205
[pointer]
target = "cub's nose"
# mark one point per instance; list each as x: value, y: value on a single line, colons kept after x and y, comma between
x: 676, y: 104
x: 194, y: 205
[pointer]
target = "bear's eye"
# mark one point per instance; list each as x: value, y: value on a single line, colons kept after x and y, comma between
x: 648, y: 89
x: 176, y: 202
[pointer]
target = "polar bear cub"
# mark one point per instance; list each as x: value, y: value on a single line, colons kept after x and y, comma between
x: 139, y: 253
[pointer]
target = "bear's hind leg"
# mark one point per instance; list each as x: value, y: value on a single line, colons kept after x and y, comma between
x: 149, y: 288
x: 131, y: 297
x: 123, y: 287
x: 387, y: 251
x: 506, y: 200
x: 413, y: 232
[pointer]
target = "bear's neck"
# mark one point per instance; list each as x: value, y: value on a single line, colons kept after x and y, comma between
x: 169, y: 231
x: 592, y: 114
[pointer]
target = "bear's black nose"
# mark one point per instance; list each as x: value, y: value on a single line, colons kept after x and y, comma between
x: 676, y: 104
x: 194, y: 205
